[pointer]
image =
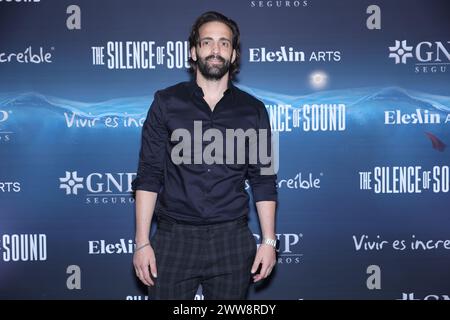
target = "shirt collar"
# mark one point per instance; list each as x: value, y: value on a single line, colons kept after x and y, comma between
x: 195, y: 89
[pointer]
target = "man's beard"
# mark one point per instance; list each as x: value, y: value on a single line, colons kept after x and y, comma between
x: 213, y: 71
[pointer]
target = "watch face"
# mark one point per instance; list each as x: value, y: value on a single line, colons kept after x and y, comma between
x: 270, y: 242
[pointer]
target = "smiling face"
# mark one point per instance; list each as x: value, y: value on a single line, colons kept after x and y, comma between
x: 214, y: 51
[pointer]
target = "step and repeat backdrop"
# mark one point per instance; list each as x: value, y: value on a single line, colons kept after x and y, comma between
x: 358, y: 92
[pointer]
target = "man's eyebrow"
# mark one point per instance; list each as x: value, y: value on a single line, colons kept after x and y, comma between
x: 210, y: 38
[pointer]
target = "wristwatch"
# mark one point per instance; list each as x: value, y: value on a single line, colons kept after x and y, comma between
x: 270, y: 242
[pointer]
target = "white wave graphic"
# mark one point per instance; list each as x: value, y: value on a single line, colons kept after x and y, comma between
x: 356, y: 100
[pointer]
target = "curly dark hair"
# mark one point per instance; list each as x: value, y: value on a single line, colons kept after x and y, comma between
x: 212, y: 16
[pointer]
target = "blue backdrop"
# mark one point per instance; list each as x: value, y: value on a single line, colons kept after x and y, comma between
x: 357, y: 90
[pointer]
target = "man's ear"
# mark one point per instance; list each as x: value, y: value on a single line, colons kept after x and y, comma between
x: 233, y: 56
x: 193, y: 54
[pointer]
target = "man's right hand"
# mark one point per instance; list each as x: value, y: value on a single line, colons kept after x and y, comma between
x: 145, y: 262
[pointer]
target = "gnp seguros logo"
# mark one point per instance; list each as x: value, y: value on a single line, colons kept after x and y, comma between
x: 428, y: 56
x: 99, y: 188
x: 5, y: 134
x: 288, y: 247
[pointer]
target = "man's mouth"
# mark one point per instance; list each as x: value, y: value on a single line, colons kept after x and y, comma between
x: 212, y: 59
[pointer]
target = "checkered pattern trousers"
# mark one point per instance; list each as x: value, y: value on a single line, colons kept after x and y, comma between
x: 218, y: 257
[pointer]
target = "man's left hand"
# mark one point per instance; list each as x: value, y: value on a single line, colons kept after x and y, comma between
x: 267, y: 258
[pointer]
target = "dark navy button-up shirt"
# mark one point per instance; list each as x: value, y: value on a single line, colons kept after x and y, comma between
x: 202, y: 193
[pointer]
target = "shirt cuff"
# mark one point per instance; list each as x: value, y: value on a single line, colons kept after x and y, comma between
x: 139, y: 184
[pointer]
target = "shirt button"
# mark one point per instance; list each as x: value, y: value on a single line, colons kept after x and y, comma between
x: 209, y: 170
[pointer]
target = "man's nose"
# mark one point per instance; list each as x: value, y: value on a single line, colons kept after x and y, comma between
x: 216, y: 48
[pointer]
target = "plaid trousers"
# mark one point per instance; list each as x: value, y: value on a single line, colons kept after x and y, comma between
x: 218, y: 257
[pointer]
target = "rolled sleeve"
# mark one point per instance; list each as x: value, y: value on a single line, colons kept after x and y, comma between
x: 264, y: 186
x: 150, y: 173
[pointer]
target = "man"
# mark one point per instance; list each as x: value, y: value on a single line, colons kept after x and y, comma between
x: 202, y: 235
